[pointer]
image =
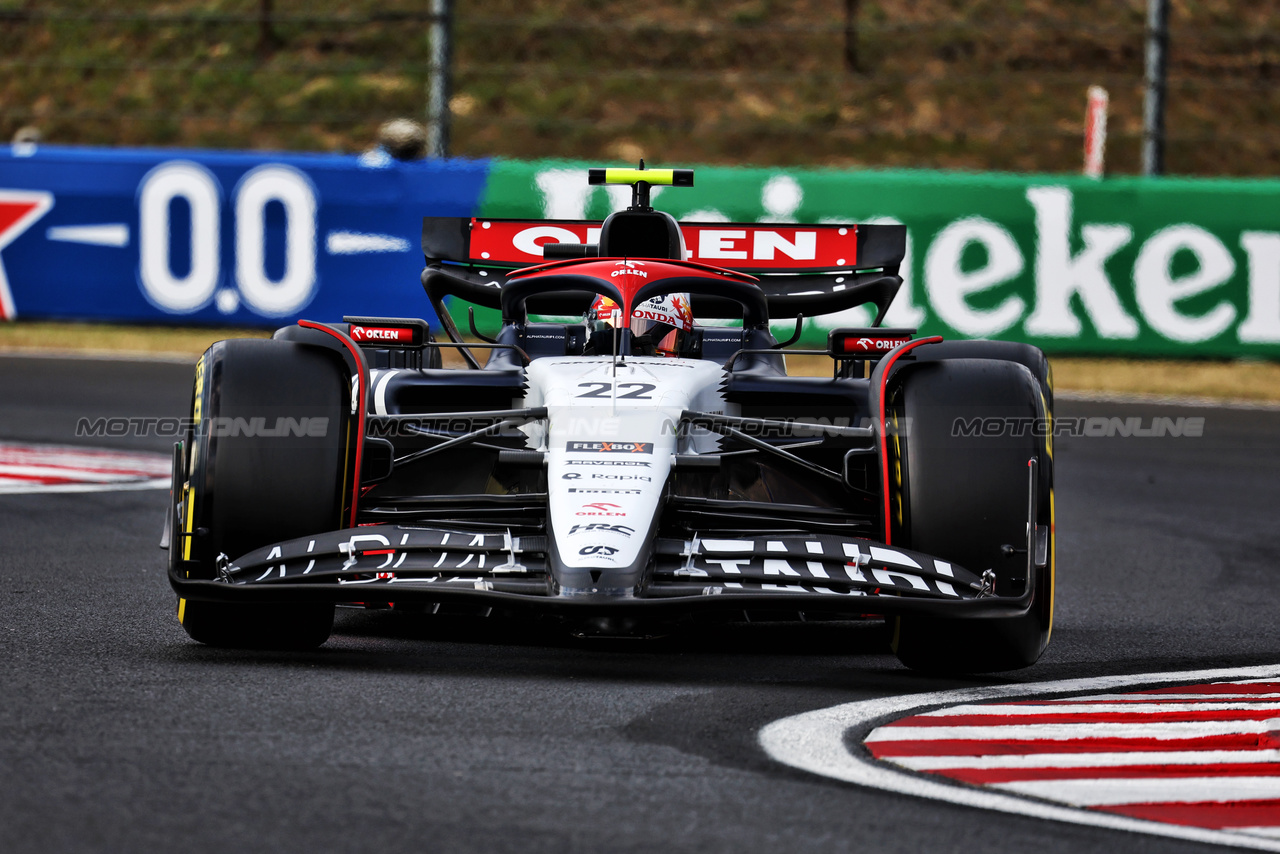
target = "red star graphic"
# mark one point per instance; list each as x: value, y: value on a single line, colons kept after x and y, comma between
x: 19, y: 209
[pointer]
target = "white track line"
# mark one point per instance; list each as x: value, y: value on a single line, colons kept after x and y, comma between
x: 1119, y: 702
x: 814, y: 741
x: 27, y: 488
x: 1068, y: 732
x: 1147, y: 790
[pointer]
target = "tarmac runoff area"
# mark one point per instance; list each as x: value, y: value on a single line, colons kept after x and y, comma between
x: 121, y: 734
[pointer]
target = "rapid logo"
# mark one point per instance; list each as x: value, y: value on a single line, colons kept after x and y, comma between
x: 610, y: 447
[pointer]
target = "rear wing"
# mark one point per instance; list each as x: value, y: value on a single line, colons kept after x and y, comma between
x: 803, y: 269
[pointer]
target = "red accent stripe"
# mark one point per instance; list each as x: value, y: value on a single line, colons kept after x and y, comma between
x: 1002, y: 747
x: 884, y: 445
x: 73, y: 471
x: 1207, y: 700
x: 47, y: 480
x: 378, y: 552
x: 360, y: 404
x: 1092, y: 718
x: 1206, y: 814
x: 983, y: 776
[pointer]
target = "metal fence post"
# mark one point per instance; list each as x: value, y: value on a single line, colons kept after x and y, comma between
x: 441, y: 83
x: 1153, y: 106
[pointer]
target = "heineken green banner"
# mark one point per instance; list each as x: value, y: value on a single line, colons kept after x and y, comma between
x: 1124, y: 266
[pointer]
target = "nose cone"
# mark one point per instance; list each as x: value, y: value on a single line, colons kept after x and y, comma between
x: 610, y: 437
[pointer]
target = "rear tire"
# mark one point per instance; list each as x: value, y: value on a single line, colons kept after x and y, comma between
x: 963, y: 497
x: 252, y: 490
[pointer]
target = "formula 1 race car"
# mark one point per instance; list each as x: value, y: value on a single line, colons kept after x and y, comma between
x: 631, y: 455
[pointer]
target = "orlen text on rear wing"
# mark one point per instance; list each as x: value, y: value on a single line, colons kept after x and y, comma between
x: 809, y: 269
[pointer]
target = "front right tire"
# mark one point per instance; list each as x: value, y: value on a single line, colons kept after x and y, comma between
x: 964, y: 498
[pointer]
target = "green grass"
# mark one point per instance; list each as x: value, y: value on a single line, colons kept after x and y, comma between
x: 987, y: 84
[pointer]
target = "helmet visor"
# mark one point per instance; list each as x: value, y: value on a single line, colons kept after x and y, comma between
x: 653, y: 337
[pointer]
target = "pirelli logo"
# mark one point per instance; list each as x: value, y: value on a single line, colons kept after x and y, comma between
x: 609, y: 447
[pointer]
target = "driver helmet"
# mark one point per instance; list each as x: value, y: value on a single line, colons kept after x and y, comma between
x: 658, y: 325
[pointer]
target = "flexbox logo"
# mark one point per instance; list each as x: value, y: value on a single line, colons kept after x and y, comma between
x: 610, y: 447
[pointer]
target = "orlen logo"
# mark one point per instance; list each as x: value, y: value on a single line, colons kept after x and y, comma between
x: 771, y: 246
x: 629, y: 267
x: 872, y: 345
x: 376, y: 333
x: 610, y: 447
x: 601, y: 508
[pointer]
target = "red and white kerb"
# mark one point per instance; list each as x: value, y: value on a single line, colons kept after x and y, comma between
x: 1200, y: 755
x: 54, y: 468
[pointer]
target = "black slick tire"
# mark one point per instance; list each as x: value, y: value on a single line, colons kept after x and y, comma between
x: 265, y: 465
x: 963, y: 496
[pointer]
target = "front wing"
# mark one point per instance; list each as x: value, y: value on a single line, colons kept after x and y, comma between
x: 412, y: 564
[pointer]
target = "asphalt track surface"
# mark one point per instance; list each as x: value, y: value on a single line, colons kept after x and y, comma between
x: 117, y: 733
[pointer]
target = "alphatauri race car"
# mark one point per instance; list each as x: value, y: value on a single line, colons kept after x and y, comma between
x: 629, y: 455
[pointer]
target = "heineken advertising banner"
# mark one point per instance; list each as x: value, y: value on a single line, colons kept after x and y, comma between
x: 1124, y: 266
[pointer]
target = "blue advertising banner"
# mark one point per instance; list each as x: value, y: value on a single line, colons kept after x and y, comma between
x: 201, y: 237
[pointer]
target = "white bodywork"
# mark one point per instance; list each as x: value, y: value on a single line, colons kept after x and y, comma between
x: 610, y: 436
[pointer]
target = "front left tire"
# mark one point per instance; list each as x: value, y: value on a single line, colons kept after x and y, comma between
x: 261, y: 469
